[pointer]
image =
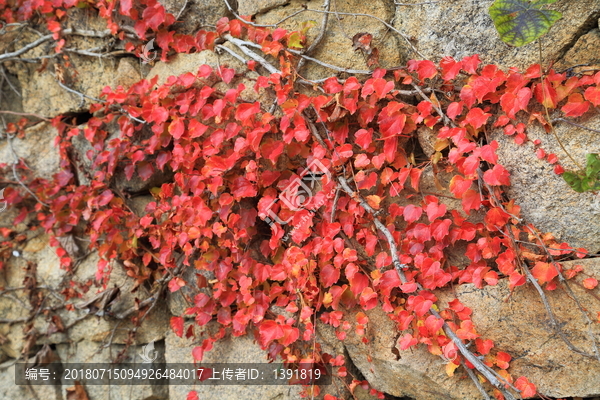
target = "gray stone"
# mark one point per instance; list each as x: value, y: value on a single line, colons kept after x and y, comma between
x: 463, y: 28
x: 36, y: 149
x: 241, y: 349
x: 544, y: 197
x: 92, y: 352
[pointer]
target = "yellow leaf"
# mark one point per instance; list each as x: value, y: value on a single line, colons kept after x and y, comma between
x: 374, y: 201
x: 327, y: 299
x: 450, y: 368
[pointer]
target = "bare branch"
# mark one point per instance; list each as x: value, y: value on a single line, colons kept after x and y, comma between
x: 574, y: 124
x: 232, y: 53
x: 330, y: 66
x: 487, y: 372
x: 319, y: 38
x: 241, y: 44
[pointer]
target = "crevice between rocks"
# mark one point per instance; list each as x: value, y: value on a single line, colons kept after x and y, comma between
x: 354, y: 371
x: 590, y: 24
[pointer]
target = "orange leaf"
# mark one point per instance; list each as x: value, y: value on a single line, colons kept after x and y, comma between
x: 590, y: 283
x: 544, y: 272
x: 527, y: 388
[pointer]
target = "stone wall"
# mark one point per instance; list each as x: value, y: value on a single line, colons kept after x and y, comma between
x: 516, y: 321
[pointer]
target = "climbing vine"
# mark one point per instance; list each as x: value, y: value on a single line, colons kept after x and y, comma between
x: 365, y: 236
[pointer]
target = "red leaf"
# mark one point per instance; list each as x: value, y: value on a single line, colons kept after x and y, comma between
x: 391, y: 120
x: 546, y: 94
x: 407, y: 341
x: 425, y: 68
x: 576, y: 106
x: 483, y: 346
x: 332, y: 86
x: 497, y: 176
x: 270, y: 330
x: 496, y: 217
x: 226, y: 74
x: 193, y: 395
x: 593, y: 95
x: 177, y: 325
x: 590, y: 283
x: 412, y: 213
x: 450, y: 68
x: 244, y: 112
x: 459, y: 185
x: 527, y: 388
x: 329, y: 275
x: 415, y: 177
x: 145, y: 170
x: 502, y: 359
x: 388, y: 281
x: 176, y: 128
x: 454, y: 109
x: 198, y: 353
x: 435, y: 210
x: 544, y: 272
x: 364, y: 137
x: 421, y: 305
x: 476, y: 117
x: 512, y: 103
x: 433, y: 324
x: 105, y: 197
x: 242, y: 187
x: 471, y: 200
x: 175, y: 284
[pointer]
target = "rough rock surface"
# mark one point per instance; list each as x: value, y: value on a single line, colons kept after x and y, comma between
x: 196, y: 14
x: 36, y: 149
x: 232, y: 350
x: 585, y: 51
x: 336, y: 47
x: 463, y: 28
x: 545, y: 198
x: 252, y: 7
x: 517, y: 323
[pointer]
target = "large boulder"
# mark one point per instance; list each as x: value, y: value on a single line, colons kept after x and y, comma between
x: 464, y: 27
x: 546, y: 200
x: 36, y: 149
x: 336, y: 47
x: 516, y: 322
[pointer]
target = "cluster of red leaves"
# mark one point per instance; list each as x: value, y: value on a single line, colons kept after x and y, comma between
x: 142, y: 15
x: 231, y: 159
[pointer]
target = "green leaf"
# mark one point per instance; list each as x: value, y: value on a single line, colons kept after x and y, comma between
x: 295, y: 40
x: 592, y: 168
x: 574, y: 180
x: 520, y: 21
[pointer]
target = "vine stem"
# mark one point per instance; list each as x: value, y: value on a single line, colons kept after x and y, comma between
x: 548, y: 114
x: 487, y: 372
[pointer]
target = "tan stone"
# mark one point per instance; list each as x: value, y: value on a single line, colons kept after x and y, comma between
x: 36, y: 149
x: 336, y: 47
x: 585, y: 51
x: 517, y: 323
x: 127, y: 73
x: 252, y: 7
x: 237, y: 350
